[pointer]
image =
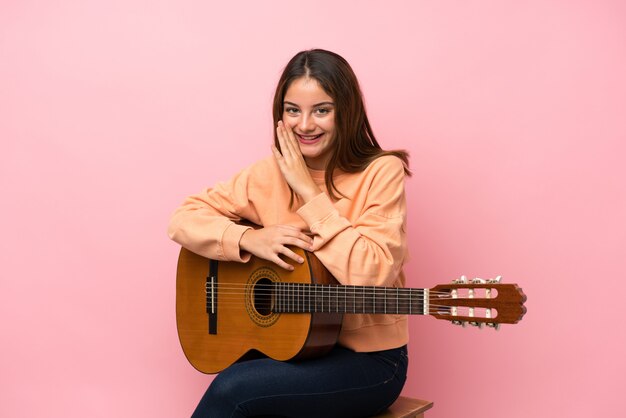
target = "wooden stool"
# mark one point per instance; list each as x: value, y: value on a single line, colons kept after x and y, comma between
x: 405, y: 407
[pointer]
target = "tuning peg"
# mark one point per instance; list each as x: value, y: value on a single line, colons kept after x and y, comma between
x: 496, y: 280
x: 478, y: 280
x: 457, y: 322
x: 461, y: 280
x: 493, y: 325
x: 476, y: 324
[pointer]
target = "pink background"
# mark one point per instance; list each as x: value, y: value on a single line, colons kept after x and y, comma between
x: 112, y: 111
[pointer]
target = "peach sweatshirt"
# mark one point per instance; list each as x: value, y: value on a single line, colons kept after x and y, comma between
x: 361, y: 240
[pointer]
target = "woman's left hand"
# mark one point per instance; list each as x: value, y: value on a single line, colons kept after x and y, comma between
x: 292, y: 164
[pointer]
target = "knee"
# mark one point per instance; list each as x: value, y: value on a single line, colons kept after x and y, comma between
x: 222, y: 390
x: 218, y: 400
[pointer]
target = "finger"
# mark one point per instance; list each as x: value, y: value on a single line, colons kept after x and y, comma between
x: 291, y: 139
x: 276, y: 153
x: 285, y: 149
x: 300, y: 239
x: 295, y: 232
x: 280, y: 263
x: 305, y: 244
x: 289, y: 227
x: 290, y: 254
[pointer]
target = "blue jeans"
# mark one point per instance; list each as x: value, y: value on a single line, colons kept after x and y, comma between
x: 341, y: 384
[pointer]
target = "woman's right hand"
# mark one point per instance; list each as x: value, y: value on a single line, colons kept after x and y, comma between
x: 270, y: 242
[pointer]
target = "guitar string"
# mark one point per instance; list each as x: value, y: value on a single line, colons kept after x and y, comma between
x: 265, y: 293
x: 402, y: 305
x: 326, y: 288
x: 404, y: 310
x: 349, y: 305
x: 377, y: 289
x: 347, y: 302
x: 469, y: 286
x: 392, y: 296
x: 391, y: 293
x: 241, y: 287
x: 325, y: 296
x: 349, y: 309
x: 382, y: 292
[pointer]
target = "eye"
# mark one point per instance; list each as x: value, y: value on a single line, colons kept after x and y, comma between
x: 291, y: 110
x: 322, y: 111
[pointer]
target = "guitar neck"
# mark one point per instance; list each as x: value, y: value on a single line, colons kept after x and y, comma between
x: 311, y: 298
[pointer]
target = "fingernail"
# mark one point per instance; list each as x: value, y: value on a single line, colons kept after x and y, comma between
x: 301, y: 260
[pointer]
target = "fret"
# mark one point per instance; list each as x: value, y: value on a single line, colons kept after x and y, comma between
x: 296, y: 299
x: 398, y: 300
x: 402, y: 303
x: 300, y: 299
x: 330, y: 298
x: 363, y: 294
x: 379, y: 301
x: 307, y: 299
x: 372, y: 291
x: 301, y: 289
x: 320, y: 298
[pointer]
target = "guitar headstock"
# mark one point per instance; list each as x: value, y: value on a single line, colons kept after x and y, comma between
x: 477, y: 302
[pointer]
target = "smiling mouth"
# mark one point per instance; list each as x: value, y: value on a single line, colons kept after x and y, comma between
x: 308, y: 139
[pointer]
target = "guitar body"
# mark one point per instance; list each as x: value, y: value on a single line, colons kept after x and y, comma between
x: 236, y: 323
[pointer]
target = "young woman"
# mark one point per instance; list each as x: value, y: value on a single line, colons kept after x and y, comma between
x: 328, y: 188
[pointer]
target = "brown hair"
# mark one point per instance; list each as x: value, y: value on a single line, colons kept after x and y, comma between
x: 355, y: 146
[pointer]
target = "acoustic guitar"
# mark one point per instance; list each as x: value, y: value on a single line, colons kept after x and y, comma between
x: 228, y: 312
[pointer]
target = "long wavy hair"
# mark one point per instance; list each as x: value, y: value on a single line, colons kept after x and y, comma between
x: 354, y: 146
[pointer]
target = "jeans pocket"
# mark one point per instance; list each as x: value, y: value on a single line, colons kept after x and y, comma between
x: 393, y: 358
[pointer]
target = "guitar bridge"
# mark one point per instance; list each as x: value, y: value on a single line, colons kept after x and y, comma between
x: 211, y: 296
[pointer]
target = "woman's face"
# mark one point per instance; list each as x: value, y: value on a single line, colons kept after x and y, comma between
x: 310, y: 113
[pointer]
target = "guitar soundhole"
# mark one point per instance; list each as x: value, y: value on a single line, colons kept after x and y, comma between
x: 263, y: 295
x: 260, y: 296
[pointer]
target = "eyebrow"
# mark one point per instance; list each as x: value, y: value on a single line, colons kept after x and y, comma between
x: 315, y: 105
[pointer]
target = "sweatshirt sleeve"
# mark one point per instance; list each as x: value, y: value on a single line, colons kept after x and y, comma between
x: 206, y: 223
x: 370, y: 250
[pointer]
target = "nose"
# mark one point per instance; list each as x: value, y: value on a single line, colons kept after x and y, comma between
x: 306, y: 123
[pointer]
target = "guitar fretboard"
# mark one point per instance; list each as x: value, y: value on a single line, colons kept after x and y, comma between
x: 311, y: 298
